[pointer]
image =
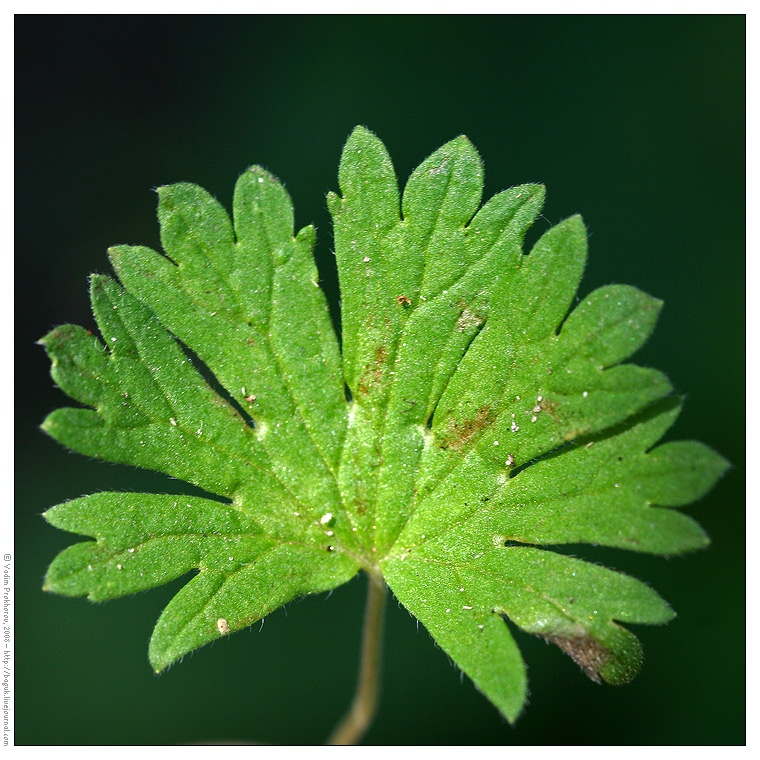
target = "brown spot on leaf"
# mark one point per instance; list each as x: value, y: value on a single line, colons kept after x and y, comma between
x: 381, y: 356
x: 461, y: 433
x: 548, y: 406
x: 373, y: 371
x: 586, y: 651
x: 404, y: 300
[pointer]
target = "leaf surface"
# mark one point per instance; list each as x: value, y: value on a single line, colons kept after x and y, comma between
x: 489, y: 418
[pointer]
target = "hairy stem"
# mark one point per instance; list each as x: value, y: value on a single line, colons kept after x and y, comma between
x: 358, y: 719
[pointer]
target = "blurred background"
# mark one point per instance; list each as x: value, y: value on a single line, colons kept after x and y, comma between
x: 637, y: 122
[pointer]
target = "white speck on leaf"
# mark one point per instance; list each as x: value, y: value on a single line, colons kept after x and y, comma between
x: 222, y: 625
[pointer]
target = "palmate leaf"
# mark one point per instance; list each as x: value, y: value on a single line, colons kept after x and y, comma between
x: 467, y: 421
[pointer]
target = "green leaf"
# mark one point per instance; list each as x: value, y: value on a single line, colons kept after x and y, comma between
x: 487, y: 421
x: 144, y: 540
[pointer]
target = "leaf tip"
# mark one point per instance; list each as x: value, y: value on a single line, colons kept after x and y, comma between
x: 513, y: 712
x: 575, y: 223
x: 362, y: 138
x: 115, y: 253
x: 334, y: 203
x: 531, y: 196
x: 45, y: 339
x: 360, y: 135
x: 260, y: 171
x: 463, y: 143
x: 360, y: 132
x: 100, y: 282
x: 721, y: 465
x: 307, y: 236
x: 177, y: 193
x: 47, y: 425
x: 157, y: 657
x: 535, y: 191
x: 121, y: 256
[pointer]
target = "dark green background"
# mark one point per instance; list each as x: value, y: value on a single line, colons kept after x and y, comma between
x: 637, y: 122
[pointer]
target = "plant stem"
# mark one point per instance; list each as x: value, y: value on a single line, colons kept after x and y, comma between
x: 358, y: 719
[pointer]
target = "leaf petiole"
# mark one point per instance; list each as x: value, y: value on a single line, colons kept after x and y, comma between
x: 362, y: 712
